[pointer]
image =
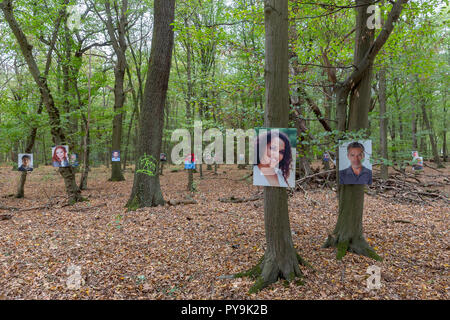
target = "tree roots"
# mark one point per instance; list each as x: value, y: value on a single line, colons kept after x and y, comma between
x: 358, y: 246
x: 266, y: 272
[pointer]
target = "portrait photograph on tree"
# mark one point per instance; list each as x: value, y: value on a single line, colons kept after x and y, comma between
x: 275, y: 155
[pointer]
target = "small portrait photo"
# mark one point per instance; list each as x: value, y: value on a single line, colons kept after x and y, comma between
x: 25, y: 162
x: 60, y: 156
x: 354, y: 162
x: 163, y: 157
x: 189, y: 162
x: 274, y: 157
x: 74, y: 160
x: 417, y: 164
x: 115, y: 157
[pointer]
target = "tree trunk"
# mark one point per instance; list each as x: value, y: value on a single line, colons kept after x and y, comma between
x: 348, y: 232
x: 135, y: 109
x: 280, y: 258
x: 119, y: 44
x: 41, y: 81
x: 21, y: 185
x: 414, y: 130
x: 23, y: 177
x: 426, y: 122
x: 444, y: 133
x: 189, y: 107
x: 383, y: 123
x: 146, y: 187
x: 86, y: 154
x: 422, y: 145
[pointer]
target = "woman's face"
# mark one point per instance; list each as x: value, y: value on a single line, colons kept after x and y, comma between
x: 60, y: 154
x: 274, y: 152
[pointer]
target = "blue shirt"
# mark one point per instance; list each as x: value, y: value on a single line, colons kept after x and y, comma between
x: 63, y: 164
x: 347, y: 176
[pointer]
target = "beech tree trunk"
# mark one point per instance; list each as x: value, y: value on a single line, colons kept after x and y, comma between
x: 189, y: 106
x: 41, y: 81
x: 146, y: 188
x: 280, y: 258
x: 23, y: 177
x: 433, y: 143
x: 383, y: 123
x: 119, y: 44
x: 414, y: 130
x: 444, y: 132
x: 348, y: 232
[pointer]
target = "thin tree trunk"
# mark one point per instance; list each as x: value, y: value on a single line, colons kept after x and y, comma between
x: 189, y: 111
x: 87, y: 140
x: 117, y: 38
x: 414, y: 130
x: 383, y: 123
x: 434, y: 149
x: 444, y: 133
x: 86, y: 154
x: 28, y: 149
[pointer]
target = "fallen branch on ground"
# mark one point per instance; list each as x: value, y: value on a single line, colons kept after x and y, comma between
x: 87, y: 208
x: 177, y: 202
x: 322, y: 173
x: 5, y: 216
x: 8, y: 208
x: 233, y: 199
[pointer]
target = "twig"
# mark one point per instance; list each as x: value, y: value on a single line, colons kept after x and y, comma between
x: 233, y: 199
x: 177, y: 202
x: 313, y: 175
x: 431, y: 167
x: 8, y: 208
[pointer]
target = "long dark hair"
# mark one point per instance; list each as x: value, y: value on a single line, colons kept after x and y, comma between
x: 265, y: 139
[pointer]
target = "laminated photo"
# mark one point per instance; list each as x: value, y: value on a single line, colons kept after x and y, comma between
x: 274, y: 152
x: 354, y: 162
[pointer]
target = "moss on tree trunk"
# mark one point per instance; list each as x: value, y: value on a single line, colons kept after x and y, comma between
x: 348, y: 232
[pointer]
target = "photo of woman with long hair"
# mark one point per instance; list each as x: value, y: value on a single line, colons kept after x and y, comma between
x: 59, y: 157
x: 274, y: 165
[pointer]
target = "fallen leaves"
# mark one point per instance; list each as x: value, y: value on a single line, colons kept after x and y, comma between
x: 190, y: 251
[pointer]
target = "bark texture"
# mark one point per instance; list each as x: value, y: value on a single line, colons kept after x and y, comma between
x: 383, y: 123
x: 146, y: 188
x: 348, y: 232
x: 47, y: 99
x: 280, y: 258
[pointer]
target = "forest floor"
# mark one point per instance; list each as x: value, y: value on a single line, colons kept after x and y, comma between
x: 181, y: 252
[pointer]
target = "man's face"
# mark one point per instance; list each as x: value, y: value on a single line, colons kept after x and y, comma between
x: 115, y: 154
x: 355, y: 155
x: 26, y: 162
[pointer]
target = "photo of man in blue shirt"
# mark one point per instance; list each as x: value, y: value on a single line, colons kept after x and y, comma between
x: 356, y: 173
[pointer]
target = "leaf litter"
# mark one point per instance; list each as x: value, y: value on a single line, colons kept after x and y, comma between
x: 189, y: 251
